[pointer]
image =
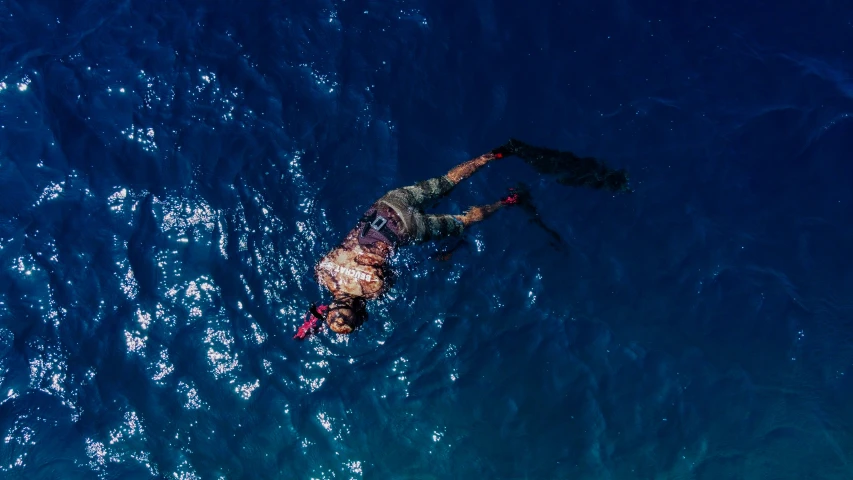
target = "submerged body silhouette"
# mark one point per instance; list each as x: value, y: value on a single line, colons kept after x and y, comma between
x: 356, y: 271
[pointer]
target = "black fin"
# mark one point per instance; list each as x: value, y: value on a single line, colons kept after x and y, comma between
x: 568, y: 168
x: 525, y: 201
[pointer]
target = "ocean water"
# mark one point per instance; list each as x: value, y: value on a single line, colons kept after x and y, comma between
x: 170, y: 172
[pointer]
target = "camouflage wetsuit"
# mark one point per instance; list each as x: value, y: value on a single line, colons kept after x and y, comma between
x: 358, y: 266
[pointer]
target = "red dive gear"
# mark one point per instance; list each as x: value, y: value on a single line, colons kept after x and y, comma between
x: 511, y: 199
x: 313, y: 321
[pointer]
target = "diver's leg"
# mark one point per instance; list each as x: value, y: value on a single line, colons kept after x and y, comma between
x: 478, y: 213
x: 465, y: 170
x: 434, y: 227
x: 443, y: 226
x: 423, y: 193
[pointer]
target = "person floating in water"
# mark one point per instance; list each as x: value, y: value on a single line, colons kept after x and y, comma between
x: 357, y: 271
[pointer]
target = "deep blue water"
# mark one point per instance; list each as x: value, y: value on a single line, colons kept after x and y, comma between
x: 171, y: 171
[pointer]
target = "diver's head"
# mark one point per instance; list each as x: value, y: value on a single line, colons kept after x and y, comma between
x: 346, y: 314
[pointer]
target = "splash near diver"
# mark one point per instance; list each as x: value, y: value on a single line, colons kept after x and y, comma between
x: 357, y: 271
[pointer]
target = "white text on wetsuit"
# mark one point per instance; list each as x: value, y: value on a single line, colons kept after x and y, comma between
x: 334, y: 268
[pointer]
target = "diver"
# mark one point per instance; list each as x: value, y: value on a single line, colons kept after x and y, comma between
x: 357, y: 271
